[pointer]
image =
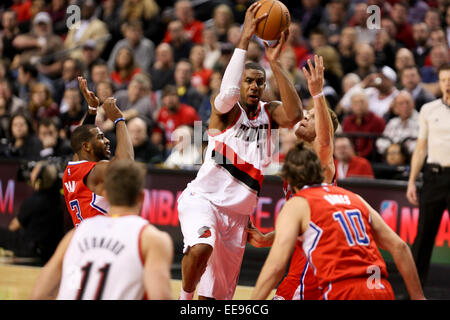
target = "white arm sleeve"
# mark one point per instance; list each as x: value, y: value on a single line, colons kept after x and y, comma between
x: 230, y: 88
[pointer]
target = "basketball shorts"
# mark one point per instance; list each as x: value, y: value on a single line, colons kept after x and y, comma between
x: 204, y: 223
x: 358, y: 289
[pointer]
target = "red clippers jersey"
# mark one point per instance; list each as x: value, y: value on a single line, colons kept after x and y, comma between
x: 338, y: 241
x: 81, y: 202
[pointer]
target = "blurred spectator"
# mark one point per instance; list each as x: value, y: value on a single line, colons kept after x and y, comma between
x: 23, y: 10
x: 90, y: 56
x: 27, y: 77
x: 411, y: 82
x: 296, y: 43
x: 222, y: 19
x: 333, y: 69
x: 432, y: 19
x: 211, y: 46
x: 380, y: 90
x: 57, y: 11
x: 181, y: 45
x: 163, y: 70
x: 71, y: 118
x: 226, y: 51
x: 38, y: 226
x: 396, y: 155
x: 362, y: 120
x: 404, y: 125
x: 310, y: 15
x: 41, y: 104
x: 359, y: 22
x: 347, y: 163
x: 334, y: 20
x: 184, y: 154
x: 9, y: 104
x: 23, y: 142
x: 146, y: 11
x: 439, y: 56
x: 10, y: 30
x: 346, y: 49
x: 52, y: 144
x: 143, y: 48
x: 186, y: 93
x: 144, y: 150
x: 137, y: 99
x: 172, y: 114
x: 399, y: 14
x: 437, y: 37
x: 421, y: 35
x: 201, y: 75
x: 99, y: 73
x: 364, y: 59
x: 89, y: 27
x: 37, y: 47
x: 213, y: 88
x: 125, y: 67
x: 233, y: 34
x: 71, y: 70
x: 416, y: 11
x: 191, y: 27
x: 403, y: 58
x: 317, y: 38
x: 109, y: 13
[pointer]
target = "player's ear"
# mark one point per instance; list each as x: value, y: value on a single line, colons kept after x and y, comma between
x: 86, y: 146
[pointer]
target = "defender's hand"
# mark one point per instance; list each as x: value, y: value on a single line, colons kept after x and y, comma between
x: 315, y: 75
x: 250, y: 21
x: 90, y: 96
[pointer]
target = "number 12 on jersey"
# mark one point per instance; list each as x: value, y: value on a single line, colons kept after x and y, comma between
x: 355, y: 231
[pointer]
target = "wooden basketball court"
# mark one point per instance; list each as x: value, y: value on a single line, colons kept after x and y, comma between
x: 17, y: 281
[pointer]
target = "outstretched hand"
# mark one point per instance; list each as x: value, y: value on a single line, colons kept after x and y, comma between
x: 90, y: 96
x: 250, y: 21
x: 315, y: 75
x: 273, y: 52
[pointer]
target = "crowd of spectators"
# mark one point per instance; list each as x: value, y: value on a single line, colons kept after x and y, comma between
x: 163, y: 60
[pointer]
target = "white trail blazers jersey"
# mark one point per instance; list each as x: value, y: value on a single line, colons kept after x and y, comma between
x: 235, y: 159
x: 103, y: 260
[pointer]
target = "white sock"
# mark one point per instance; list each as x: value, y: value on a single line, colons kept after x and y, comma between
x: 186, y: 295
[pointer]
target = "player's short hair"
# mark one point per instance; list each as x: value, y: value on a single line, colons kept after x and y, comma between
x: 302, y: 167
x: 255, y: 66
x: 79, y: 135
x: 123, y: 182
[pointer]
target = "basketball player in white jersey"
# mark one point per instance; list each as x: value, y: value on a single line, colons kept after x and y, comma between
x: 114, y: 257
x: 214, y: 209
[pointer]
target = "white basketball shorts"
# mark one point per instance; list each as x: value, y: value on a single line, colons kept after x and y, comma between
x: 203, y: 222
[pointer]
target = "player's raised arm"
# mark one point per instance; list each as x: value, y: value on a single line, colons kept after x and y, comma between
x: 290, y: 111
x: 48, y: 281
x: 229, y: 92
x: 158, y: 255
x: 287, y: 229
x: 323, y: 143
x: 388, y: 240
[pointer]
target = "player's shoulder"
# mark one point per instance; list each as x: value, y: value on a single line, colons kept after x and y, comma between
x: 427, y: 107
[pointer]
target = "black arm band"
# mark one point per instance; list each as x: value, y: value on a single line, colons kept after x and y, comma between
x: 90, y: 118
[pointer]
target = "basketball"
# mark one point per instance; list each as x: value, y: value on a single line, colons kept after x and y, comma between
x: 277, y: 20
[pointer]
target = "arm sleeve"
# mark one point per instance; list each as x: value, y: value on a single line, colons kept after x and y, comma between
x: 230, y: 88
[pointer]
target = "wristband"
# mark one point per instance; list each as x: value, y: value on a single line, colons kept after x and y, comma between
x: 92, y: 108
x: 318, y: 95
x: 117, y: 120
